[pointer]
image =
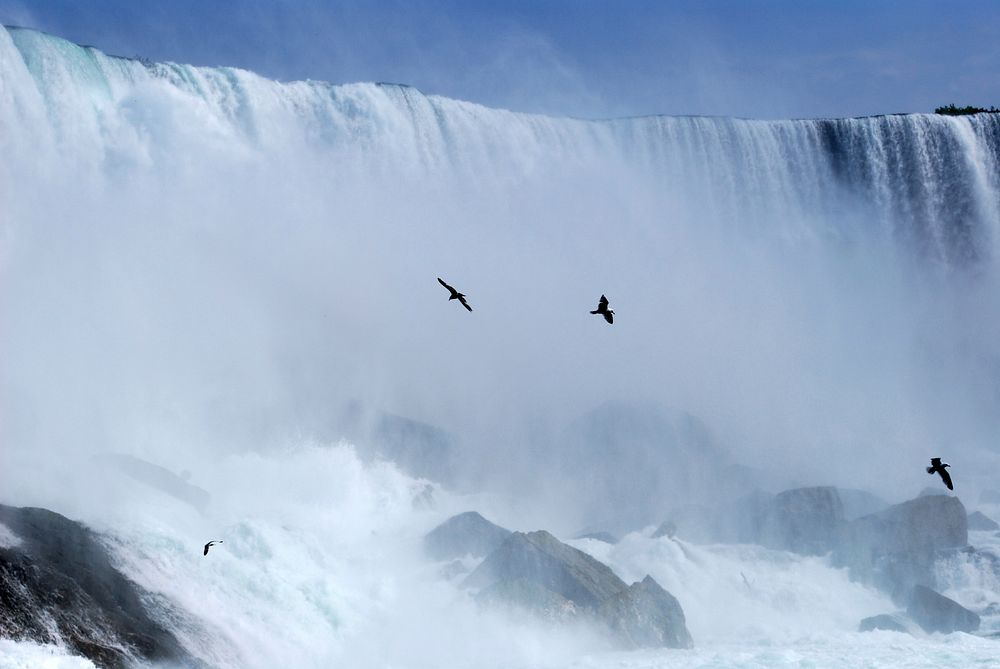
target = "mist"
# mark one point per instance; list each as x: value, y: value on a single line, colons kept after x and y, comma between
x: 204, y: 268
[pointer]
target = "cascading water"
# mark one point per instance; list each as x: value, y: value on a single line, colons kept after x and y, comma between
x: 201, y: 267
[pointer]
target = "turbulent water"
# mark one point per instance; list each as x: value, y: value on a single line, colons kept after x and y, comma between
x: 203, y: 267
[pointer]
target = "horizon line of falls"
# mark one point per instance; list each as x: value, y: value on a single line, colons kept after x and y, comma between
x: 201, y: 259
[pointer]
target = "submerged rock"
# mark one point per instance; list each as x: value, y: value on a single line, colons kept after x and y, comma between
x: 936, y: 613
x: 537, y: 572
x: 57, y: 585
x: 467, y: 534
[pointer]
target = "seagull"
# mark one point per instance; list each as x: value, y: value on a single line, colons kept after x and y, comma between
x: 602, y: 308
x: 210, y: 544
x: 937, y: 466
x: 455, y: 295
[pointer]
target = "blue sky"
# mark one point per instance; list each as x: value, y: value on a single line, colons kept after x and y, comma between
x: 587, y: 58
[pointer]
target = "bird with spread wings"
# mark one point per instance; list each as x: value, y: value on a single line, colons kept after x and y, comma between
x: 455, y: 295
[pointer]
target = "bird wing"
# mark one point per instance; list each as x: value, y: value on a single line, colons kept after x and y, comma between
x: 609, y: 317
x: 441, y: 281
x: 461, y: 298
x: 206, y: 548
x: 603, y: 304
x: 946, y: 477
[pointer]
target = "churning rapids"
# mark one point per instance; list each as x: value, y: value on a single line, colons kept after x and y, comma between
x: 219, y: 319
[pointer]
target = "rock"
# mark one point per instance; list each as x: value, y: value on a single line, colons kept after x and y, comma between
x: 647, y: 616
x: 424, y: 499
x: 606, y: 537
x: 531, y: 596
x: 803, y: 520
x: 895, y: 549
x: 453, y: 569
x: 936, y: 613
x: 859, y: 503
x: 57, y: 585
x: 667, y: 528
x: 887, y: 621
x: 467, y: 534
x: 418, y: 448
x: 644, y: 441
x: 537, y: 572
x: 543, y: 559
x: 158, y: 477
x: 980, y: 522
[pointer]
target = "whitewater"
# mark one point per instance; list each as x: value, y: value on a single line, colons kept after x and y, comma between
x: 209, y: 270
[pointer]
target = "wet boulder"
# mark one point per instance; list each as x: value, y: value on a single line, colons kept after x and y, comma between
x: 895, y: 549
x: 541, y: 558
x: 58, y: 585
x: 936, y: 613
x: 467, y: 534
x: 647, y: 616
x: 537, y: 572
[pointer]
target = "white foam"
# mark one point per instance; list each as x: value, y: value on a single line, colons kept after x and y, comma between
x: 30, y: 655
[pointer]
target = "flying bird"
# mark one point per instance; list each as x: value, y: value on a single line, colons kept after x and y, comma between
x: 938, y: 467
x: 455, y: 295
x: 210, y: 544
x: 602, y: 308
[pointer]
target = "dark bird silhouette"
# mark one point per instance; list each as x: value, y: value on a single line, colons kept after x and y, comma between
x: 939, y: 468
x: 602, y: 308
x: 210, y: 544
x: 455, y: 295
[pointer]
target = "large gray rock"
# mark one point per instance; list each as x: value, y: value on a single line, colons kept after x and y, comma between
x: 895, y: 549
x: 543, y: 559
x: 647, y: 616
x: 537, y: 572
x: 467, y: 534
x: 981, y: 522
x: 936, y: 613
x: 57, y: 585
